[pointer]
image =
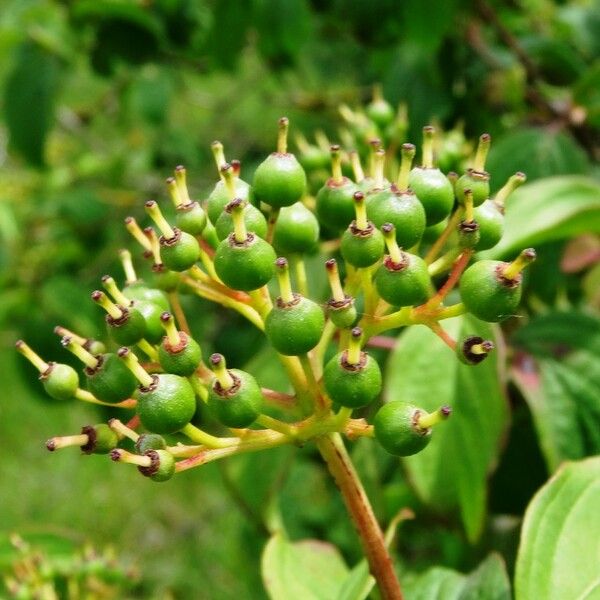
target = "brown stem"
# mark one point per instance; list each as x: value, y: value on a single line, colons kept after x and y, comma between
x: 459, y: 266
x: 340, y: 466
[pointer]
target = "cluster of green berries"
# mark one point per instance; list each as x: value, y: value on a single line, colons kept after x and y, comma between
x: 230, y: 247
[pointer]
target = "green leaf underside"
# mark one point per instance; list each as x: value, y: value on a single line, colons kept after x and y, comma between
x: 559, y: 552
x: 551, y: 209
x: 304, y: 570
x: 562, y: 385
x: 488, y: 582
x: 453, y: 469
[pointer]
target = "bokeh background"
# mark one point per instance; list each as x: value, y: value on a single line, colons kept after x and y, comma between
x: 100, y: 99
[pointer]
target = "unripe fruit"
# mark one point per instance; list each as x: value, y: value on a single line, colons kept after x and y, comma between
x: 473, y: 349
x: 352, y: 378
x: 468, y: 234
x: 138, y: 290
x: 167, y: 404
x: 491, y: 224
x: 342, y: 313
x: 101, y: 439
x: 397, y: 430
x: 254, y: 219
x: 150, y: 441
x: 179, y: 252
x: 476, y: 181
x: 182, y: 358
x: 151, y: 312
x: 191, y: 218
x: 280, y: 179
x: 110, y: 380
x: 162, y: 467
x: 163, y: 279
x: 491, y: 289
x: 60, y: 381
x: 379, y: 110
x: 220, y: 197
x: 434, y: 191
x: 296, y: 230
x: 235, y: 397
x: 295, y: 327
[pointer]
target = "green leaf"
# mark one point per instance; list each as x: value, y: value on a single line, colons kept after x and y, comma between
x: 304, y: 570
x: 586, y: 92
x: 488, y: 582
x: 29, y: 100
x: 452, y: 471
x: 562, y: 385
x: 548, y: 210
x: 560, y: 539
x: 538, y: 152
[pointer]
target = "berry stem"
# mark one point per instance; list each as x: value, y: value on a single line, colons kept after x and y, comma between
x: 236, y: 207
x: 219, y: 156
x: 335, y: 284
x: 228, y: 178
x: 178, y: 310
x: 313, y: 386
x: 354, y: 346
x: 148, y: 349
x: 174, y: 192
x: 222, y: 375
x: 302, y: 143
x: 167, y: 321
x: 340, y: 466
x: 468, y: 204
x: 181, y: 179
x: 283, y: 279
x: 357, y: 169
x: 378, y: 168
x: 408, y: 153
x: 156, y: 215
x: 300, y: 273
x: 41, y: 365
x: 514, y: 181
x: 482, y: 151
x: 428, y: 135
x: 128, y: 268
x: 86, y: 396
x: 111, y: 287
x: 122, y: 430
x: 453, y: 222
x: 484, y: 347
x: 273, y: 216
x: 282, y: 134
x: 120, y: 455
x: 132, y: 363
x: 336, y: 165
x: 56, y: 443
x: 389, y: 235
x: 87, y: 358
x: 134, y: 229
x: 513, y: 269
x: 360, y: 210
x: 110, y: 307
x: 210, y: 441
x: 443, y: 335
x: 63, y: 331
x: 154, y: 245
x: 427, y: 420
x: 457, y: 270
x: 277, y: 425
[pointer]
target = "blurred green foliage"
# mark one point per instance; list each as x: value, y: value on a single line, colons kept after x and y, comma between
x: 101, y: 99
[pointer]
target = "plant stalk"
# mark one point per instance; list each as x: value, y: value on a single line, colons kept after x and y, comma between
x: 340, y: 466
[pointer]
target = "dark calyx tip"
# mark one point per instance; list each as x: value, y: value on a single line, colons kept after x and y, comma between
x: 387, y: 228
x: 281, y: 262
x: 486, y: 137
x: 429, y: 129
x: 65, y: 340
x: 283, y: 120
x: 166, y: 316
x: 487, y: 345
x: 358, y: 196
x: 149, y: 203
x: 128, y: 220
x: 446, y: 411
x: 235, y: 163
x: 334, y: 147
x: 19, y: 344
x: 408, y: 147
x: 530, y: 253
x: 179, y: 168
x: 234, y: 204
x: 115, y: 455
x: 51, y: 445
x: 96, y: 295
x: 375, y: 142
x: 356, y: 332
x: 330, y: 264
x: 123, y: 351
x: 225, y: 167
x: 105, y: 278
x: 216, y: 359
x: 216, y: 143
x: 170, y: 180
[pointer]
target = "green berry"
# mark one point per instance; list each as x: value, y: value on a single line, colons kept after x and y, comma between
x: 295, y: 327
x: 491, y: 289
x: 151, y: 313
x: 352, y: 378
x: 476, y: 181
x: 220, y: 197
x: 335, y: 203
x: 401, y: 209
x: 163, y: 279
x: 397, y: 430
x: 405, y: 282
x: 60, y: 381
x: 468, y: 234
x: 128, y: 329
x: 380, y: 111
x: 179, y: 252
x: 138, y: 290
x: 490, y: 218
x: 240, y: 402
x: 150, y: 441
x: 162, y: 467
x: 181, y: 359
x: 247, y: 265
x: 342, y: 313
x: 191, y: 218
x: 110, y: 381
x: 101, y: 439
x: 362, y: 247
x: 167, y: 405
x: 254, y: 219
x: 431, y: 234
x: 296, y: 230
x: 280, y: 179
x: 434, y: 191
